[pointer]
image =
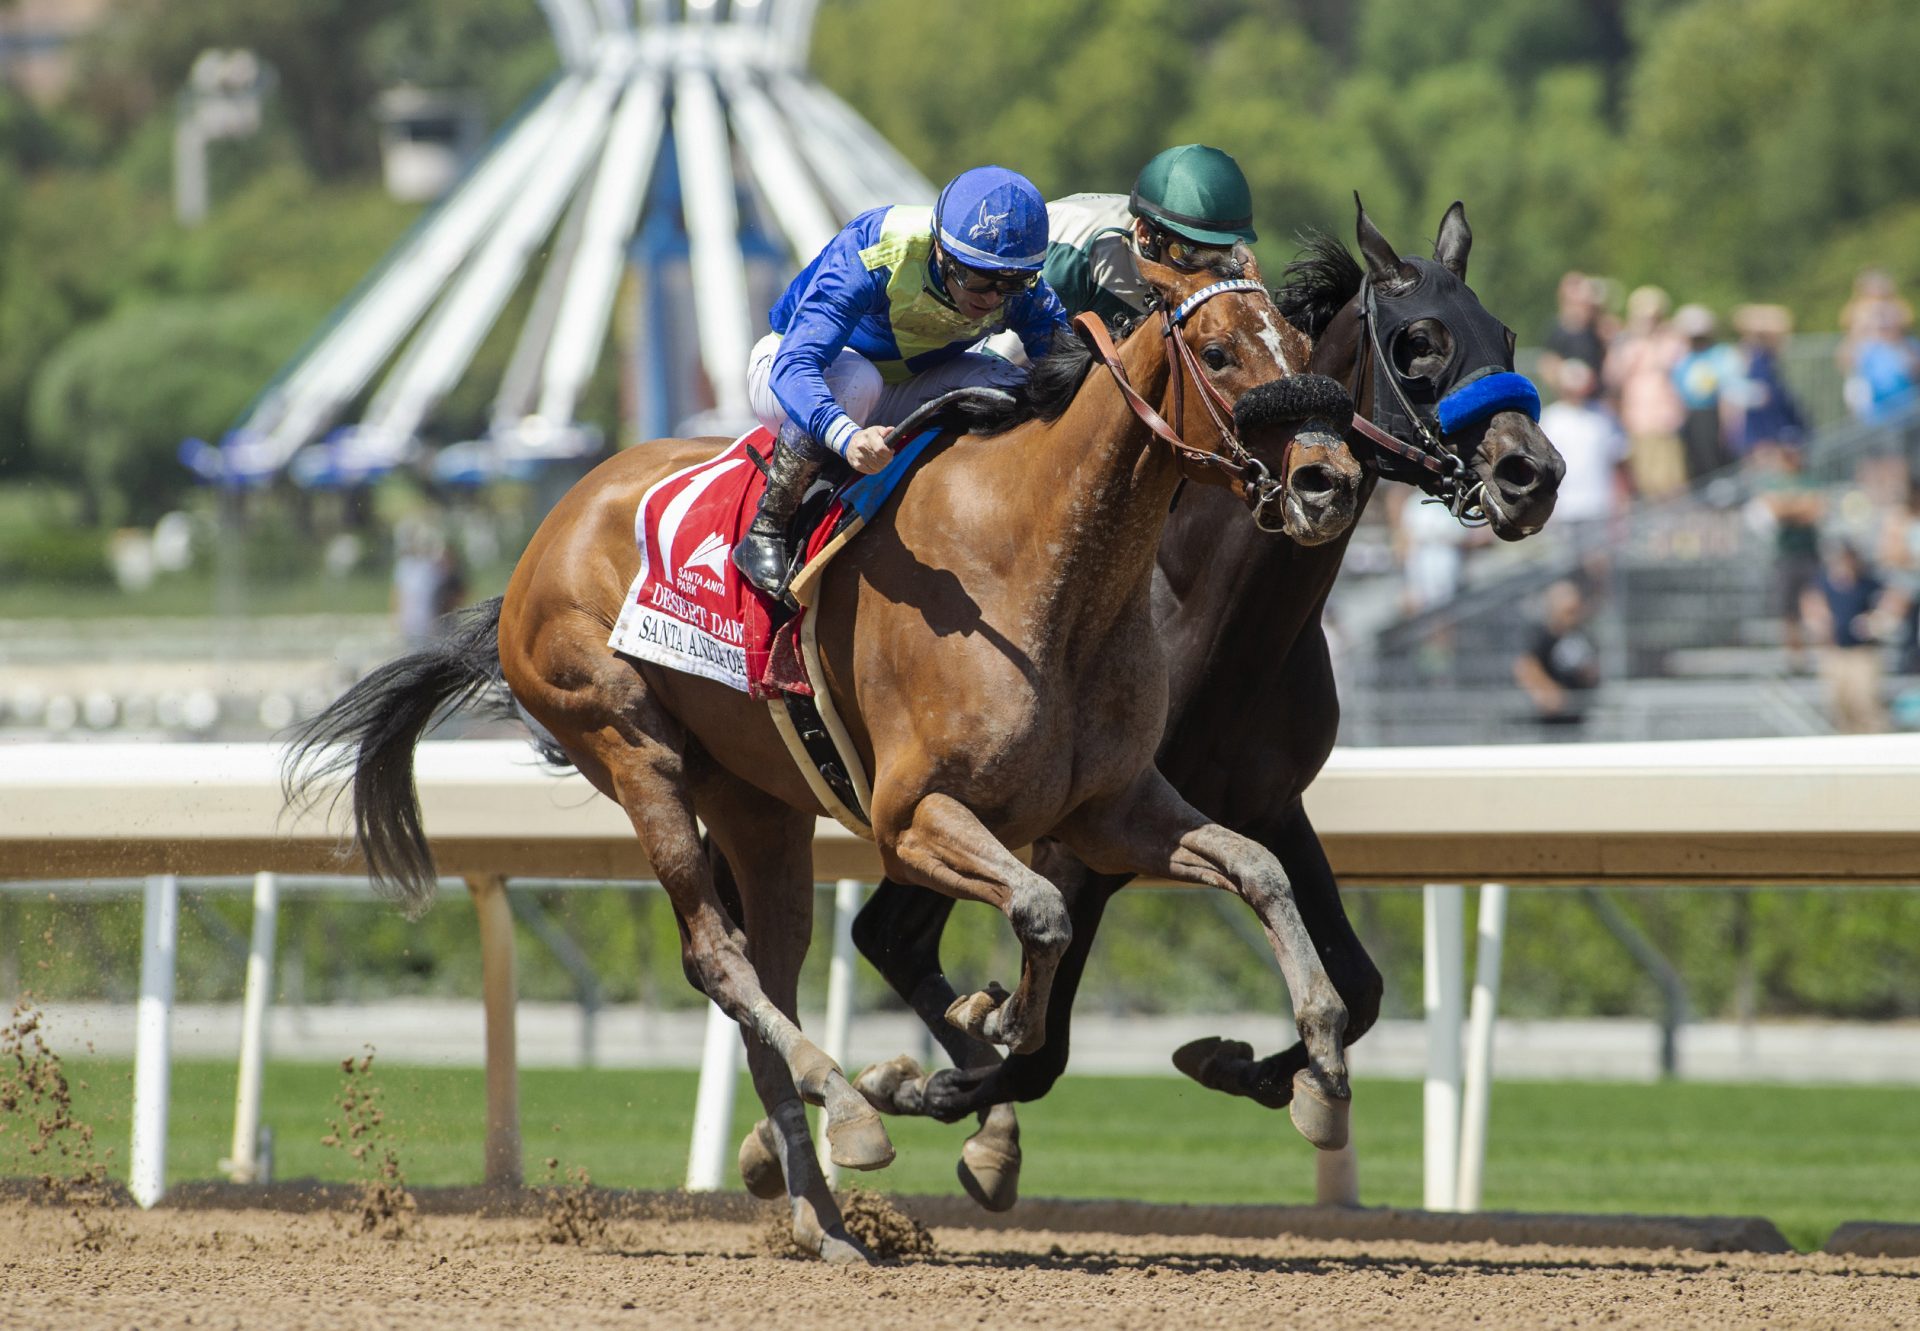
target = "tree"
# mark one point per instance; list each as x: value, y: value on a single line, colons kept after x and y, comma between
x: 78, y: 244
x: 1760, y: 131
x: 135, y: 64
x: 1076, y: 94
x: 113, y: 403
x: 501, y: 48
x: 1512, y: 40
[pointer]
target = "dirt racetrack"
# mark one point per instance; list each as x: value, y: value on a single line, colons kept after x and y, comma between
x: 255, y: 1268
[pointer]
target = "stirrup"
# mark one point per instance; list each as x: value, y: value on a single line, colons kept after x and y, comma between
x: 760, y: 553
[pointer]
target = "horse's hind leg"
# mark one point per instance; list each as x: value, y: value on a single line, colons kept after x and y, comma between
x: 938, y: 843
x: 768, y: 855
x: 898, y: 930
x: 637, y: 755
x: 990, y: 1161
x: 1151, y: 831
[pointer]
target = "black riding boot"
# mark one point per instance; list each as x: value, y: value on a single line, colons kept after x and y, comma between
x: 762, y: 556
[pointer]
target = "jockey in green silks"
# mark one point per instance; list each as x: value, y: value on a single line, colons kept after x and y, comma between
x: 881, y: 322
x: 1189, y: 208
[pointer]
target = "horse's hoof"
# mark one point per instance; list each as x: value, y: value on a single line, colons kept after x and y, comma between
x: 881, y: 1082
x: 760, y: 1163
x: 839, y: 1248
x: 990, y: 1175
x: 970, y: 1013
x: 1318, y: 1112
x: 830, y: 1243
x: 1205, y: 1059
x: 860, y: 1143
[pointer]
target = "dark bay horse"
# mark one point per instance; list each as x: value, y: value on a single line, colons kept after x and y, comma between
x: 1253, y: 710
x: 990, y: 642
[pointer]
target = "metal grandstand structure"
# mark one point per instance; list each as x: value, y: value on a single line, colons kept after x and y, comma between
x: 682, y: 141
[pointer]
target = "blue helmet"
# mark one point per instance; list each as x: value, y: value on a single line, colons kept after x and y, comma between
x: 991, y: 217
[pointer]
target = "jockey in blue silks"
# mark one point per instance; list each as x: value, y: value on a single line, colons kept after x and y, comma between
x: 880, y: 323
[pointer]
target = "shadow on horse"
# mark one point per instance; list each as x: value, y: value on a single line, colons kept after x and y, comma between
x: 1253, y: 711
x: 990, y: 641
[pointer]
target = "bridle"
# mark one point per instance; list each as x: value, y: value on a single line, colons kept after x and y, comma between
x: 1474, y: 397
x: 1233, y: 458
x: 1453, y: 484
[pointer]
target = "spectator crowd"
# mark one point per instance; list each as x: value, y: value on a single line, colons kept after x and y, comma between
x: 1648, y: 402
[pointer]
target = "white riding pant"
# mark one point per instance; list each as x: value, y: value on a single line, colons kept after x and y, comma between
x: 856, y: 384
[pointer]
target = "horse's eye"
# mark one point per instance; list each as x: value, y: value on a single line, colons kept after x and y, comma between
x: 1215, y: 357
x: 1418, y: 344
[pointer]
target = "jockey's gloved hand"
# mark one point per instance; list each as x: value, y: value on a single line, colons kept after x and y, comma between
x: 867, y: 450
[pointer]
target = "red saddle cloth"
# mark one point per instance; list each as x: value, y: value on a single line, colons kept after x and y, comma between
x: 689, y: 608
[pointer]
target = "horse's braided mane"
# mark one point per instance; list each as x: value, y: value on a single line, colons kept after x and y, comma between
x: 1056, y: 377
x: 1319, y: 283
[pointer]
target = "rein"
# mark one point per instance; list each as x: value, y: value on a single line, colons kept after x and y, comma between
x: 1233, y: 458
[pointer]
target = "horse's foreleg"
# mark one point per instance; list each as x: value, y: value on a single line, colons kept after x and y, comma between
x: 1229, y: 1065
x: 938, y: 843
x: 1151, y: 831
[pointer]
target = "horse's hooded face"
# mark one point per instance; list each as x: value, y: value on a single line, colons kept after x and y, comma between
x: 1242, y: 352
x: 1442, y: 369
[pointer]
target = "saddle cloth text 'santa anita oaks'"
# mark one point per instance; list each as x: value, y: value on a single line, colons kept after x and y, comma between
x: 689, y: 609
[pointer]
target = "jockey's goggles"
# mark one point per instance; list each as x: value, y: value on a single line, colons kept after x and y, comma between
x: 1190, y: 256
x: 979, y: 281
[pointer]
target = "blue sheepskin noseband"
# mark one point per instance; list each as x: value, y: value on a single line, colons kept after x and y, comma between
x: 1481, y: 399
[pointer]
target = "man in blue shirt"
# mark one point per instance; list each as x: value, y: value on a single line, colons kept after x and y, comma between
x: 880, y: 323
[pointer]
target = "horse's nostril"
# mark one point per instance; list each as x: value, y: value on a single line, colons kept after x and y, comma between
x: 1312, y: 479
x: 1514, y: 472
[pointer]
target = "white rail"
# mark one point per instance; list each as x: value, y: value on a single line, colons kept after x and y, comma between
x: 1816, y: 811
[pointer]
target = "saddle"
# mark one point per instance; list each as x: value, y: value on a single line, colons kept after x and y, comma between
x: 689, y: 609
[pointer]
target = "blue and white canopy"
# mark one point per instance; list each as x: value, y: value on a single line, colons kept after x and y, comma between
x: 570, y: 177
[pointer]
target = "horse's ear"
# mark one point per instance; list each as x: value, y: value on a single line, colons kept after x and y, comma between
x: 1455, y: 239
x: 1382, y: 263
x: 1247, y: 264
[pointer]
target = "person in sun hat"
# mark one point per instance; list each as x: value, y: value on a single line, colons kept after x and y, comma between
x: 879, y: 323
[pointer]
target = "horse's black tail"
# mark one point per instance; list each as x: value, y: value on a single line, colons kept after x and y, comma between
x: 371, y: 730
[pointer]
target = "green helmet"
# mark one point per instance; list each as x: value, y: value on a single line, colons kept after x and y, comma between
x: 1197, y: 192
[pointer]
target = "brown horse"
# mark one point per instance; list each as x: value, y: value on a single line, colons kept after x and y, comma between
x: 1239, y: 615
x: 989, y: 641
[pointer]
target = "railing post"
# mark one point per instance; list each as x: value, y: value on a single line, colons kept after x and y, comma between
x: 152, y: 1069
x: 847, y: 894
x: 1336, y: 1177
x: 245, y: 1164
x: 1443, y: 984
x: 497, y: 995
x: 1486, y: 1007
x: 713, y: 1104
